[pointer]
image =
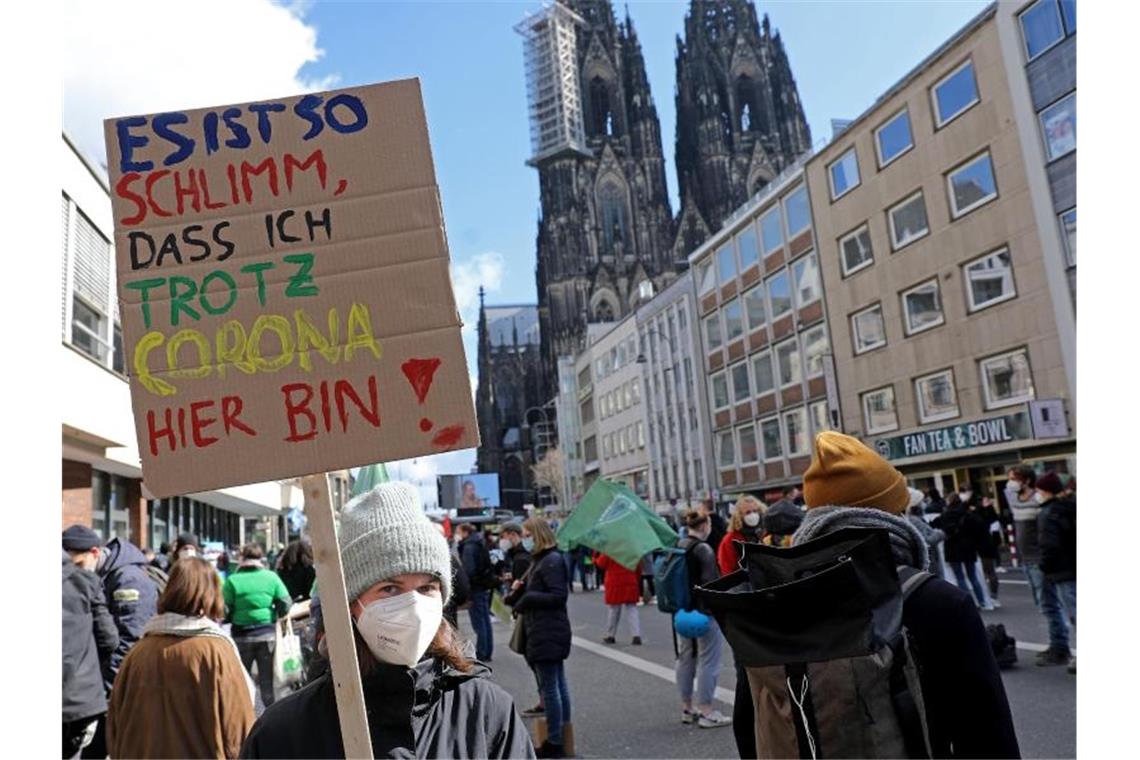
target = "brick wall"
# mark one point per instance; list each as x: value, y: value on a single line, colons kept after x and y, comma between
x: 76, y: 493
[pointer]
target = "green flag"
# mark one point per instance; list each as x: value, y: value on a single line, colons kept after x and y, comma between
x: 612, y: 519
x: 368, y: 478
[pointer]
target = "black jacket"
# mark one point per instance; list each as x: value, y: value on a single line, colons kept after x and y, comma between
x: 477, y: 562
x: 1057, y: 528
x: 89, y: 638
x: 718, y: 526
x: 298, y: 579
x: 517, y: 561
x: 431, y: 710
x: 131, y: 595
x: 542, y: 604
x: 966, y: 707
x: 782, y: 518
x: 988, y: 541
x: 964, y: 530
x: 460, y: 591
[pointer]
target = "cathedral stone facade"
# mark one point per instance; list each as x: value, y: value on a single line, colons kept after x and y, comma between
x: 739, y: 117
x: 606, y: 230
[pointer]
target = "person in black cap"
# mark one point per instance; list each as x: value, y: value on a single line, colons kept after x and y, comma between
x: 131, y: 594
x: 186, y: 546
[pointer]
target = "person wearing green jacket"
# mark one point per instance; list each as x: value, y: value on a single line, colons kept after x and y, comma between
x: 255, y: 599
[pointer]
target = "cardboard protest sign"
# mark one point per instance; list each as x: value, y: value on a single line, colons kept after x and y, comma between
x: 283, y: 287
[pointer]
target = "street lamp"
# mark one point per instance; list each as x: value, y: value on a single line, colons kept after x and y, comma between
x: 683, y: 426
x: 546, y: 429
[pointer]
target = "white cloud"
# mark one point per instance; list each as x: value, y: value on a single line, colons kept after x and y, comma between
x: 141, y: 56
x: 483, y: 269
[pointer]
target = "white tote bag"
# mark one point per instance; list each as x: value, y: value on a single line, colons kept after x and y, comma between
x: 287, y: 664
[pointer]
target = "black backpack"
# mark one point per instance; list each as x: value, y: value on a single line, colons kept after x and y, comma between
x: 818, y: 629
x: 1003, y: 645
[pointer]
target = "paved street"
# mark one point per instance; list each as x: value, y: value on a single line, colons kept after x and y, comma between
x: 625, y: 703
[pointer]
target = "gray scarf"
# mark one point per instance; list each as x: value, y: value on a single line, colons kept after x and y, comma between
x: 907, y: 544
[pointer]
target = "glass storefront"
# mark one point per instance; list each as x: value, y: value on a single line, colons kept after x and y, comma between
x: 181, y: 514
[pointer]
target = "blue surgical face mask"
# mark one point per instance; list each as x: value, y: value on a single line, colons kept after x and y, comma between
x: 528, y: 543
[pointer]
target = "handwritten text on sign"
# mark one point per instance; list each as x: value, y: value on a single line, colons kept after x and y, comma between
x: 284, y: 290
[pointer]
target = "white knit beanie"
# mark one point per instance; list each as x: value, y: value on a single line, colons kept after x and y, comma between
x: 385, y: 533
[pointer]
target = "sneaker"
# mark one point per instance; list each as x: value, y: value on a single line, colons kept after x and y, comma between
x: 609, y: 640
x: 637, y: 641
x: 996, y: 603
x: 535, y: 712
x: 549, y: 749
x: 688, y: 716
x: 713, y: 719
x: 1052, y: 656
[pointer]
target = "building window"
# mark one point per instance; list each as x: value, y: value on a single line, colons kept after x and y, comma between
x: 733, y: 320
x: 815, y: 348
x: 971, y: 185
x: 1059, y: 126
x: 922, y: 307
x: 720, y: 391
x: 746, y: 243
x: 706, y: 276
x: 1069, y: 11
x: 989, y: 280
x: 1041, y: 27
x: 1006, y: 379
x: 712, y: 331
x: 795, y: 425
x: 740, y: 388
x: 699, y: 474
x: 893, y: 138
x: 806, y: 274
x: 640, y: 431
x: 623, y: 440
x: 590, y: 448
x: 771, y: 231
x: 819, y: 417
x: 797, y: 211
x: 770, y: 439
x: 855, y: 251
x: 868, y: 330
x: 762, y: 371
x: 844, y: 173
x: 908, y: 221
x: 725, y: 264
x: 879, y: 414
x: 635, y: 391
x: 1069, y: 235
x: 754, y: 308
x: 779, y: 295
x: 954, y: 94
x: 746, y: 438
x: 682, y: 320
x: 607, y: 447
x: 788, y: 360
x: 586, y: 411
x: 88, y: 328
x: 726, y: 459
x: 937, y: 399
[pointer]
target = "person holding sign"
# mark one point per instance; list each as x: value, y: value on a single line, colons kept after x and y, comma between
x: 423, y: 697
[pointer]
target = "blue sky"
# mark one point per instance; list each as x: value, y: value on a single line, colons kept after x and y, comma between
x: 843, y: 53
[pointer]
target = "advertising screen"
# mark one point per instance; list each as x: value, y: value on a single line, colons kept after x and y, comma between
x: 470, y: 493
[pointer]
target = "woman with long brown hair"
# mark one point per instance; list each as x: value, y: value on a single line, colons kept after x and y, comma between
x: 182, y: 690
x: 424, y: 698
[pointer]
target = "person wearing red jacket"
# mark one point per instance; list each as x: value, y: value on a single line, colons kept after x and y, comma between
x: 744, y: 526
x: 622, y: 591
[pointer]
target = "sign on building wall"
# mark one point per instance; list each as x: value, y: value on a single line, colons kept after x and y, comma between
x: 967, y: 435
x: 1049, y: 419
x: 284, y: 290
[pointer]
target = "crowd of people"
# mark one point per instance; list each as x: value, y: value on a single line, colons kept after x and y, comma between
x: 169, y: 654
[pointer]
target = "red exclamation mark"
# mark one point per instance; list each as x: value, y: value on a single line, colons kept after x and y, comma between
x: 421, y: 373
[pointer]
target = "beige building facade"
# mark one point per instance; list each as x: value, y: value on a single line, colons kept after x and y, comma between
x: 952, y: 356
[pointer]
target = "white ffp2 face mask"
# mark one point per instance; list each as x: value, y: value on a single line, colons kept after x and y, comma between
x: 752, y: 519
x: 399, y: 629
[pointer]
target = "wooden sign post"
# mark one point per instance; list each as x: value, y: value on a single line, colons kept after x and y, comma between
x: 337, y: 620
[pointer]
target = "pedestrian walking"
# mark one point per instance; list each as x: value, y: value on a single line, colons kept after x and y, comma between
x: 1057, y: 526
x: 621, y: 594
x: 781, y: 519
x: 132, y: 599
x: 542, y: 601
x: 89, y: 637
x: 516, y: 559
x: 745, y: 527
x: 964, y: 701
x: 964, y: 532
x: 648, y: 592
x: 182, y: 691
x: 255, y: 599
x: 423, y: 697
x: 698, y: 656
x: 297, y: 571
x: 989, y: 542
x: 476, y: 560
